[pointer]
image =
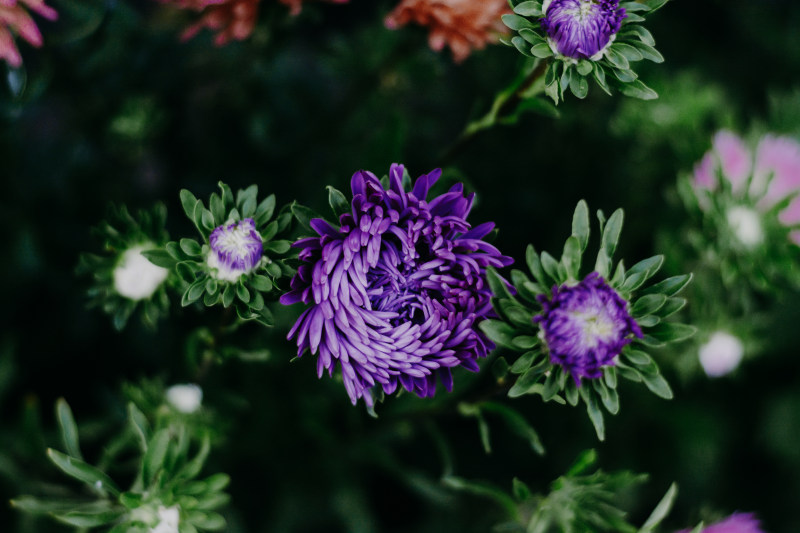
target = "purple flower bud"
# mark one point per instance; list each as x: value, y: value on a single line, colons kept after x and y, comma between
x: 585, y: 326
x: 236, y: 249
x: 396, y: 292
x: 582, y: 29
x: 736, y: 523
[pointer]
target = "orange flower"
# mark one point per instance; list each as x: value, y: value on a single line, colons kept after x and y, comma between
x: 14, y: 19
x: 463, y: 25
x: 230, y: 19
x: 296, y: 5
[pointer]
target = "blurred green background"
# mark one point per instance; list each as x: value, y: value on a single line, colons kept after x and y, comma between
x: 114, y: 108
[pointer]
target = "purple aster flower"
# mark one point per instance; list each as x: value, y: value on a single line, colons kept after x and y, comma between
x: 585, y: 326
x: 396, y: 292
x: 582, y: 29
x: 236, y: 249
x: 736, y: 523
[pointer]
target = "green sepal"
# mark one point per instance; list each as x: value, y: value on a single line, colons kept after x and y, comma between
x: 530, y: 8
x: 82, y: 471
x: 637, y: 89
x: 515, y: 22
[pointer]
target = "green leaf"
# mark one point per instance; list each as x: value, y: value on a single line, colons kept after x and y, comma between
x: 261, y: 283
x: 648, y: 266
x: 648, y: 52
x: 585, y: 460
x: 521, y: 46
x: 242, y: 293
x: 304, y: 215
x: 264, y: 210
x: 69, y: 430
x: 247, y: 201
x: 193, y: 293
x: 193, y: 467
x: 611, y: 233
x: 624, y: 75
x: 616, y: 58
x: 83, y: 519
x: 672, y: 306
x: 188, y: 202
x: 600, y: 77
x: 524, y: 362
x: 217, y: 209
x: 578, y: 85
x: 139, y: 425
x: 516, y: 423
x: 637, y: 89
x: 658, y: 385
x: 630, y: 53
x: 529, y: 9
x: 594, y: 412
x: 584, y: 67
x: 278, y: 247
x: 82, y: 471
x: 515, y: 22
x: 153, y: 460
x: 648, y: 304
x: 670, y: 286
x: 228, y: 294
x: 338, y: 202
x: 535, y: 266
x: 550, y: 266
x: 159, y: 257
x: 531, y: 36
x: 580, y: 224
x: 661, y: 510
x: 497, y: 284
x: 542, y: 51
x: 520, y: 490
x: 641, y: 32
x: 655, y: 4
x: 498, y: 332
x: 672, y: 332
x: 571, y: 257
x: 190, y: 247
x: 631, y: 7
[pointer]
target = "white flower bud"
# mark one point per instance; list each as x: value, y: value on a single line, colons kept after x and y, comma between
x: 169, y: 518
x: 746, y: 225
x: 721, y: 354
x: 135, y: 277
x: 185, y: 398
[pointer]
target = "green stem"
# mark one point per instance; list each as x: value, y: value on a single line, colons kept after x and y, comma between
x: 504, y: 105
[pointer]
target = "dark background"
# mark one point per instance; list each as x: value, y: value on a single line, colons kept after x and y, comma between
x: 116, y: 109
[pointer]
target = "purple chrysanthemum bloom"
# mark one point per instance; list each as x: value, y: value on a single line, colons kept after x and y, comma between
x: 581, y: 29
x: 396, y: 292
x: 585, y: 326
x: 236, y: 249
x: 736, y: 523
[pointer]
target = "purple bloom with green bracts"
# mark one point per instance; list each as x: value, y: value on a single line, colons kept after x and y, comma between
x: 585, y: 326
x: 582, y: 29
x: 396, y: 292
x: 736, y: 523
x: 236, y: 249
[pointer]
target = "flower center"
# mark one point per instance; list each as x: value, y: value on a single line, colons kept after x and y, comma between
x: 394, y: 286
x: 135, y: 277
x: 236, y: 249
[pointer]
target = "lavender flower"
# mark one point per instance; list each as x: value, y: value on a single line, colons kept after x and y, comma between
x: 396, y: 292
x: 236, y: 249
x: 736, y: 523
x: 582, y: 29
x: 585, y: 326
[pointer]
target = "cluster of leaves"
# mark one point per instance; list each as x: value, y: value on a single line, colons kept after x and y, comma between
x: 515, y: 330
x: 578, y: 502
x: 768, y: 266
x: 169, y: 459
x: 119, y: 232
x: 189, y: 256
x: 613, y: 70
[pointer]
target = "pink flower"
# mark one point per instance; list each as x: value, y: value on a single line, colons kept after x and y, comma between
x: 775, y: 171
x: 14, y: 19
x: 463, y: 25
x: 736, y: 523
x: 230, y: 19
x: 729, y: 153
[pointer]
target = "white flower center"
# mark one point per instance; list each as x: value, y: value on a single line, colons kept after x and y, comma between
x: 169, y: 518
x: 721, y: 354
x: 594, y: 327
x: 746, y: 225
x: 185, y: 398
x: 135, y: 277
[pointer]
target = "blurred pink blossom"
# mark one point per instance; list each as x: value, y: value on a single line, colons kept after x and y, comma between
x: 736, y: 523
x: 775, y: 170
x: 296, y: 5
x: 463, y: 25
x: 729, y: 153
x: 14, y: 19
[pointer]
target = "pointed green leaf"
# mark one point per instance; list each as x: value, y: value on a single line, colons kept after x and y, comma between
x: 83, y: 472
x: 69, y: 429
x: 661, y: 510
